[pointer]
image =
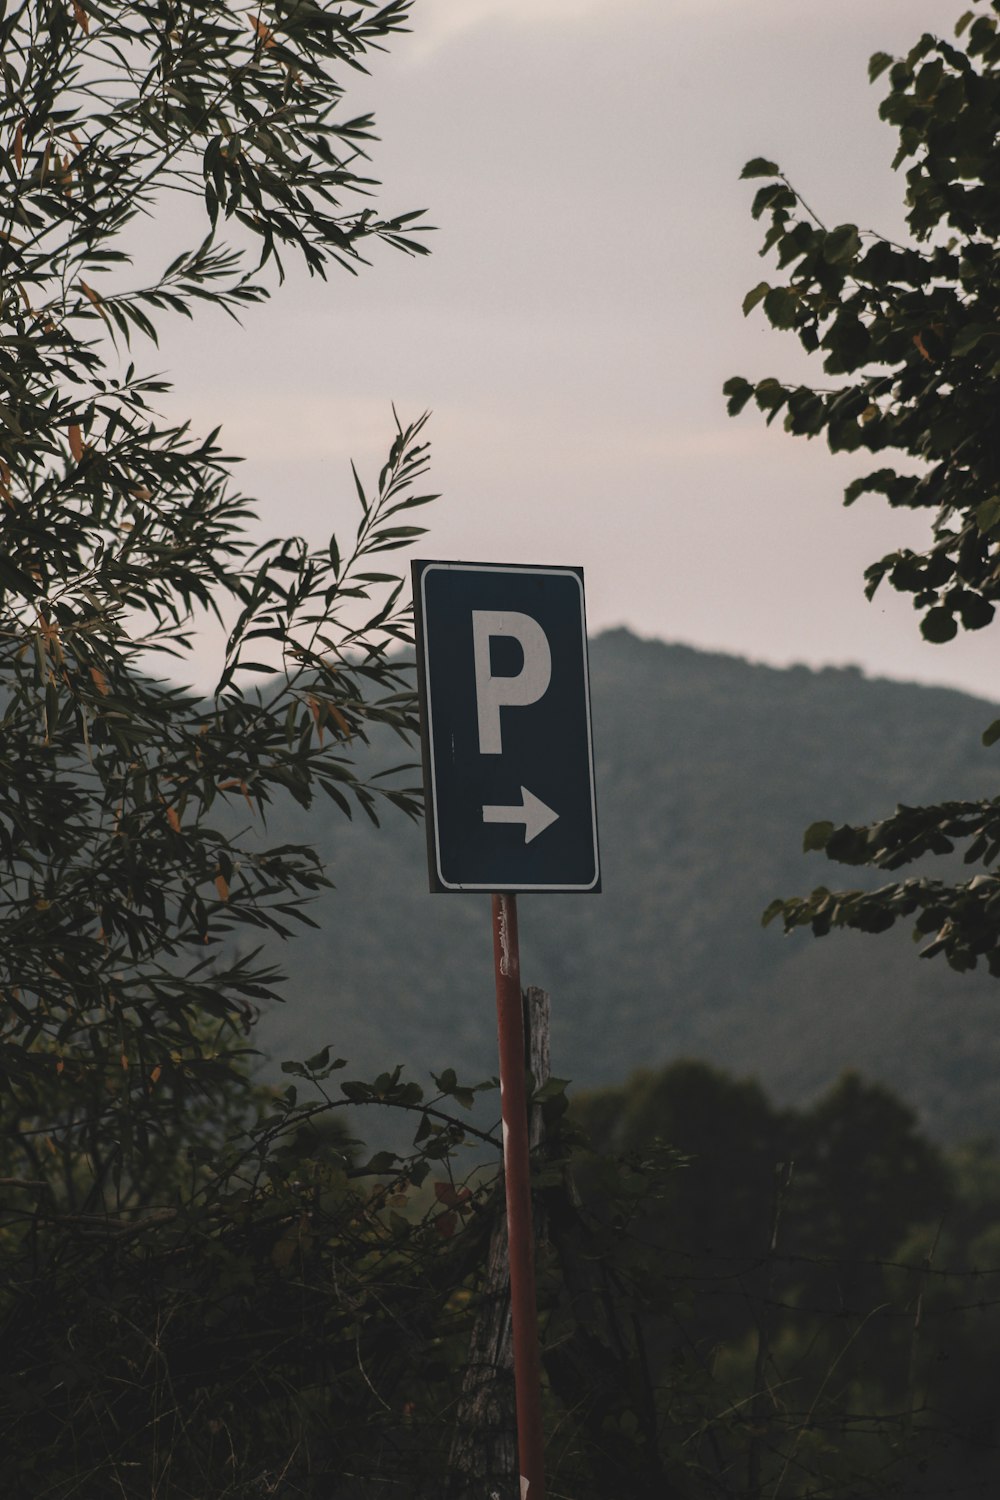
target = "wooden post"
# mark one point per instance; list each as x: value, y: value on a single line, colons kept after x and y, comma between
x: 482, y: 1463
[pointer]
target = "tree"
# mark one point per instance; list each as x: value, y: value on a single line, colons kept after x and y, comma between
x: 779, y: 1275
x: 206, y: 1289
x: 170, y: 1235
x: 124, y: 867
x: 908, y: 335
x: 726, y: 1126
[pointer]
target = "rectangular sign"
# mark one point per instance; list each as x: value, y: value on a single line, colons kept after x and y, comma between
x: 505, y: 711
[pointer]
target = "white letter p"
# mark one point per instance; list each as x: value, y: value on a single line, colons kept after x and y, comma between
x: 494, y: 693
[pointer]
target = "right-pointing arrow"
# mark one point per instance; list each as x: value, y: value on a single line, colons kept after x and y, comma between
x: 531, y: 811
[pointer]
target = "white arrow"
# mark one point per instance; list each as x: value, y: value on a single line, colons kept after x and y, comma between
x: 531, y: 811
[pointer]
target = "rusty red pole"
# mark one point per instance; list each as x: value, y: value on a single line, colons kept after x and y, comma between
x: 517, y: 1179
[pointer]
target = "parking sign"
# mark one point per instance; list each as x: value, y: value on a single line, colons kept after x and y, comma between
x: 505, y: 705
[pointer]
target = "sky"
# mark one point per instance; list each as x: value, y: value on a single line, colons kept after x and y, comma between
x: 581, y: 310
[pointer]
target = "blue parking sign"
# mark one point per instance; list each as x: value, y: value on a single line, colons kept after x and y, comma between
x: 505, y: 711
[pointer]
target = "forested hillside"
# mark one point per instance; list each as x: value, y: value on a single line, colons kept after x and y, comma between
x: 709, y: 770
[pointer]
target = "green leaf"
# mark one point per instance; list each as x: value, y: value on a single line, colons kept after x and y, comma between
x: 382, y: 1161
x: 938, y: 626
x: 550, y: 1089
x: 770, y: 395
x: 758, y: 294
x: 12, y: 578
x: 874, y: 575
x: 842, y: 245
x: 816, y: 836
x: 777, y: 198
x: 877, y: 64
x: 739, y: 391
x: 992, y: 734
x: 976, y: 612
x: 760, y: 167
x: 781, y: 306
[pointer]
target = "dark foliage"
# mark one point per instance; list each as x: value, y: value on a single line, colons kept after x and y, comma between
x: 907, y: 334
x: 816, y: 1290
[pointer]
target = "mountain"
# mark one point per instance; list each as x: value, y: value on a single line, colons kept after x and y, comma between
x: 708, y: 770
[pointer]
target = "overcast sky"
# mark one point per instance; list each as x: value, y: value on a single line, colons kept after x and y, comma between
x: 581, y: 310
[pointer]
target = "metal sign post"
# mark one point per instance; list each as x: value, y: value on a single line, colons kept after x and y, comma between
x: 509, y: 782
x: 517, y: 1183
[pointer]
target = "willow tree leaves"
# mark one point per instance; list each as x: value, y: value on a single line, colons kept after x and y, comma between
x: 133, y: 846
